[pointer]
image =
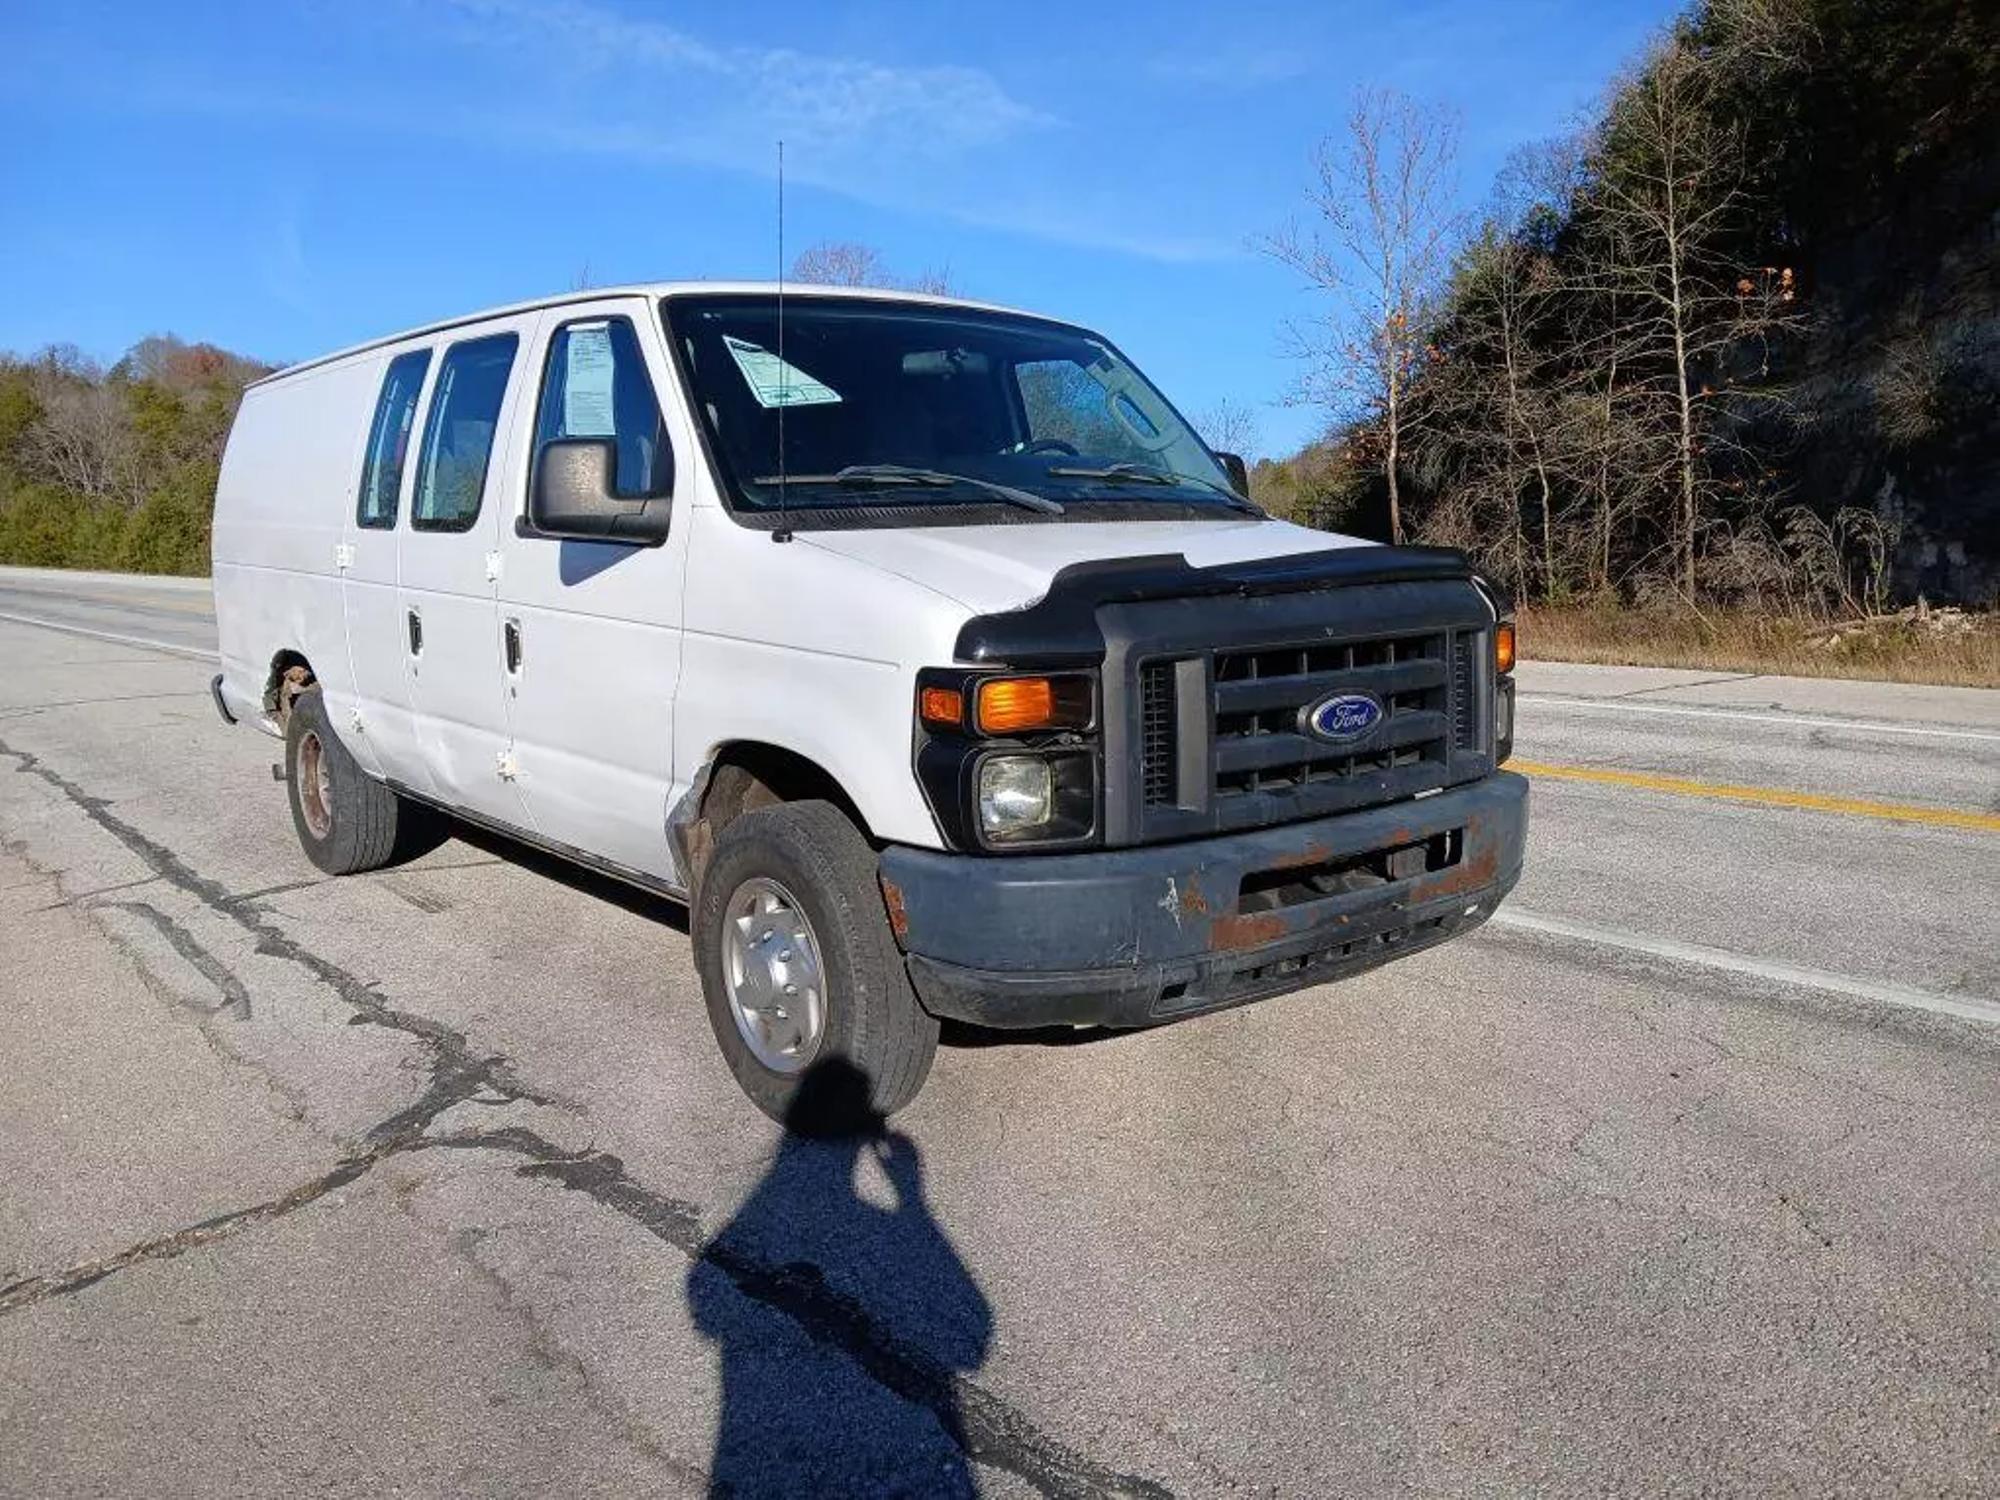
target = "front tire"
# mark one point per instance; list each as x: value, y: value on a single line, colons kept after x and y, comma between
x: 802, y: 976
x: 346, y: 820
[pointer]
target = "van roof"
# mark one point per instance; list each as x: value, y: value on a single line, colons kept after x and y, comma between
x: 649, y: 289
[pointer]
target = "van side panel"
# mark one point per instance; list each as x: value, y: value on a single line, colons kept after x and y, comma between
x: 288, y: 478
x: 799, y: 647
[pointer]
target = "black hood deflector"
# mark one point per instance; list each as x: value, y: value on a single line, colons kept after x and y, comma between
x: 1061, y: 627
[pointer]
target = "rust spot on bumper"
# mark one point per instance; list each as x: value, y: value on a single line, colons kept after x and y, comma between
x: 1464, y: 877
x: 1251, y: 930
x: 1193, y: 902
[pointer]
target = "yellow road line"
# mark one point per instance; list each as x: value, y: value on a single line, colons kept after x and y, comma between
x: 1853, y: 807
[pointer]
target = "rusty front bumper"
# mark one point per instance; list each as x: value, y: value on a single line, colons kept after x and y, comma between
x: 1135, y: 937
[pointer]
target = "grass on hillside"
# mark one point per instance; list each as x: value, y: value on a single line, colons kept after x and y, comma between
x: 1945, y: 647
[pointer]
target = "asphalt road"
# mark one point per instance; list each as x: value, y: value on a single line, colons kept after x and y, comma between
x: 1685, y: 1177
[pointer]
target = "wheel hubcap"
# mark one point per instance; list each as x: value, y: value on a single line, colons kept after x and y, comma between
x: 315, y: 785
x: 771, y: 968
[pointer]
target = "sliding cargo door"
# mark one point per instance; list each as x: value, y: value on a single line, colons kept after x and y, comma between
x: 449, y: 563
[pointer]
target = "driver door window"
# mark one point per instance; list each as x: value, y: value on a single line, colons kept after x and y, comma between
x: 595, y: 386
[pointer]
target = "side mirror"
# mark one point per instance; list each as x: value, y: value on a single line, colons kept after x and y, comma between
x: 1239, y: 477
x: 573, y: 497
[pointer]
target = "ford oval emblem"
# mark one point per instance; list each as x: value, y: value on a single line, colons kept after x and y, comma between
x: 1343, y: 717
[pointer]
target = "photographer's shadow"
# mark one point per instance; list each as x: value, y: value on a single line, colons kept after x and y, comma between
x: 841, y: 1314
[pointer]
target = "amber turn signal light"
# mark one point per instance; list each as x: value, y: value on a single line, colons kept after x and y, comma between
x: 1011, y: 705
x: 1503, y: 648
x: 942, y: 706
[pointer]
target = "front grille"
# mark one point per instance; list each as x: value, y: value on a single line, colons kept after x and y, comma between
x: 1262, y: 695
x: 1208, y: 704
x: 1156, y: 731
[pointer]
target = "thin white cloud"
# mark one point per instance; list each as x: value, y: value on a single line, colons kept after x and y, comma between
x: 908, y: 138
x: 834, y: 101
x: 280, y: 259
x: 571, y: 76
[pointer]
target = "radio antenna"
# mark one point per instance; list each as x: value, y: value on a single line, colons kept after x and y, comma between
x: 784, y: 529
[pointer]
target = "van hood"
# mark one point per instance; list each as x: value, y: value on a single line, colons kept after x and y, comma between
x: 994, y: 568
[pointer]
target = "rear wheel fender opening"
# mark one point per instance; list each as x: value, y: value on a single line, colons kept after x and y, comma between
x: 346, y: 820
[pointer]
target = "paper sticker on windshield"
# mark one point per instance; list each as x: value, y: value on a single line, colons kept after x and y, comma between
x: 587, y: 382
x: 772, y: 381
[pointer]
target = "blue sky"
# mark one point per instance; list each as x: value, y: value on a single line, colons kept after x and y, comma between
x: 283, y: 178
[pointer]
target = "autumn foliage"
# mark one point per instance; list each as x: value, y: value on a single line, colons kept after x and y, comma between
x: 115, y: 468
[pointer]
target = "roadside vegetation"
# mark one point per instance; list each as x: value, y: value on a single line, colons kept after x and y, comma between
x: 1712, y: 380
x: 115, y: 468
x: 1948, y: 647
x: 1711, y: 375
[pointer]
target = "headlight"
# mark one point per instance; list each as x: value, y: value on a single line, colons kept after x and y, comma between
x: 1016, y: 792
x: 1046, y: 798
x: 1009, y: 762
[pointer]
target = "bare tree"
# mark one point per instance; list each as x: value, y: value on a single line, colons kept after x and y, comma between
x: 1381, y: 195
x: 1498, y: 394
x: 849, y: 263
x: 81, y: 438
x: 933, y: 281
x: 1667, y: 196
x: 841, y: 263
x: 1228, y: 427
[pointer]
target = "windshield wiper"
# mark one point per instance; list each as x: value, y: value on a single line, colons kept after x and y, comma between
x: 873, y: 474
x: 1128, y: 473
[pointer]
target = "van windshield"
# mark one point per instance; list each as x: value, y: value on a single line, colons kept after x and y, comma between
x: 903, y: 404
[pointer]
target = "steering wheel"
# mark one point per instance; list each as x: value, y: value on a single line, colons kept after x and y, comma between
x: 1051, y: 445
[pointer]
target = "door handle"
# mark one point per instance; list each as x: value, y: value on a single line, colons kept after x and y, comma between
x: 416, y: 625
x: 510, y: 638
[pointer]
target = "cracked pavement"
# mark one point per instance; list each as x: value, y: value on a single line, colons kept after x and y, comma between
x: 432, y: 1182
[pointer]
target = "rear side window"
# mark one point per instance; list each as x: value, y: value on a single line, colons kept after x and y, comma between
x: 389, y: 438
x: 458, y: 434
x: 595, y: 386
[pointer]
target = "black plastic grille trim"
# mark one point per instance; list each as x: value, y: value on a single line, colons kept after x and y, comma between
x: 1465, y: 690
x: 1157, y: 708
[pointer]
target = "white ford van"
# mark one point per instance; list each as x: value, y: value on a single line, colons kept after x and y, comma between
x: 920, y: 647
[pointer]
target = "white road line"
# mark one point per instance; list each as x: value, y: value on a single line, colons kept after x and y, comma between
x: 1964, y: 1007
x: 1865, y: 726
x: 111, y: 635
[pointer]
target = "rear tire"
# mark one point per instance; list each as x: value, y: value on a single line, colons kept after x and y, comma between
x: 346, y: 820
x: 804, y: 872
